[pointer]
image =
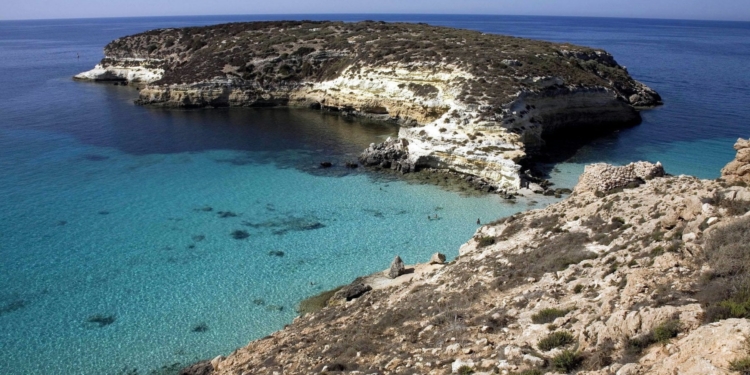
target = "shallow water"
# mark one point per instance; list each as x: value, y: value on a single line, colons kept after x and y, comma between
x: 121, y: 227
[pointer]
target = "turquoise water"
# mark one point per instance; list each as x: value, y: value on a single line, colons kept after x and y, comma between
x: 136, y: 238
x: 142, y: 238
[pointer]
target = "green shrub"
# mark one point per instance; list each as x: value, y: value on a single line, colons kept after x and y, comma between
x: 741, y: 365
x: 667, y: 330
x: 485, y: 241
x: 465, y: 370
x: 737, y: 309
x: 661, y: 334
x: 555, y: 340
x: 548, y: 315
x: 636, y: 345
x: 567, y: 361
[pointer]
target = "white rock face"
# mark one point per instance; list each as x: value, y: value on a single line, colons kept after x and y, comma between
x: 440, y: 131
x: 130, y: 70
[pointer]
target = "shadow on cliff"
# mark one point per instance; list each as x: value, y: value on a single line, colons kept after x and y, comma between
x: 567, y: 146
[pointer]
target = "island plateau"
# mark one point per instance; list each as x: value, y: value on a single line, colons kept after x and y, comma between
x: 473, y: 103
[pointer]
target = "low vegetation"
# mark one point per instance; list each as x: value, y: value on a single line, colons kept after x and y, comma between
x: 726, y: 289
x: 548, y: 315
x: 261, y: 53
x: 741, y: 365
x: 485, y: 241
x: 660, y: 334
x: 555, y: 340
x: 567, y: 361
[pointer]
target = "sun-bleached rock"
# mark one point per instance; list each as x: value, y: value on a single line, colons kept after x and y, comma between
x: 709, y: 349
x: 602, y: 177
x: 738, y: 170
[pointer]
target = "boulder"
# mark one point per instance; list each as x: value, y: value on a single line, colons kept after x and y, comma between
x: 603, y: 178
x: 437, y: 258
x: 397, y: 268
x: 738, y: 170
x: 390, y: 154
x: 350, y: 292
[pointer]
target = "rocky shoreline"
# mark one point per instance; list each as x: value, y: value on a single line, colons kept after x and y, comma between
x: 472, y: 103
x: 637, y: 272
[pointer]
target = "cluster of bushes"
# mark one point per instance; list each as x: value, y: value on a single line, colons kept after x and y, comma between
x: 660, y: 334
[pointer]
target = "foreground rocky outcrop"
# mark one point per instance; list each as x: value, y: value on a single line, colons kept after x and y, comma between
x: 738, y: 170
x: 648, y: 278
x: 471, y: 102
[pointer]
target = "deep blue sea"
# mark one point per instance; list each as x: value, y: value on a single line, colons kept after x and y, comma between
x: 120, y: 226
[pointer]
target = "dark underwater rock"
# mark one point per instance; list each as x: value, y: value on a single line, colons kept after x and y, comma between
x: 12, y: 306
x: 200, y: 328
x: 226, y: 214
x: 101, y: 320
x: 240, y: 234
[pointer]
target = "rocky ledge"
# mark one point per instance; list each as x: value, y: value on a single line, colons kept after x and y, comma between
x: 636, y: 273
x: 470, y: 102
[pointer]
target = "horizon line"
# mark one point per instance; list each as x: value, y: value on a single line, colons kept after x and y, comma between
x: 371, y: 14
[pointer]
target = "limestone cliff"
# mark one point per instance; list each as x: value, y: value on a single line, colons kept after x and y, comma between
x: 471, y: 102
x: 648, y: 279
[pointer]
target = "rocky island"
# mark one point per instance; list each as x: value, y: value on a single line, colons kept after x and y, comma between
x: 637, y: 272
x: 473, y: 103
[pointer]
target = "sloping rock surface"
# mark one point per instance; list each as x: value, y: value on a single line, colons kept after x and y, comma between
x: 626, y: 283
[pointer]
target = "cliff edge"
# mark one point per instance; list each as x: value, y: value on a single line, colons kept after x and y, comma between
x: 638, y: 273
x: 470, y: 102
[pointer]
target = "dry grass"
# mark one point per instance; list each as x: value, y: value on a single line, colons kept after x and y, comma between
x: 726, y: 290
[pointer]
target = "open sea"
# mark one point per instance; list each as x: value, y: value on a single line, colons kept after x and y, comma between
x: 136, y: 241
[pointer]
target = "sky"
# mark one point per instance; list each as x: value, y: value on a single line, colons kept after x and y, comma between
x: 730, y: 10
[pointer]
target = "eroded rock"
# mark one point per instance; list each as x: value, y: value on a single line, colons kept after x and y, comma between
x: 349, y: 293
x: 437, y: 258
x: 397, y: 267
x: 738, y: 170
